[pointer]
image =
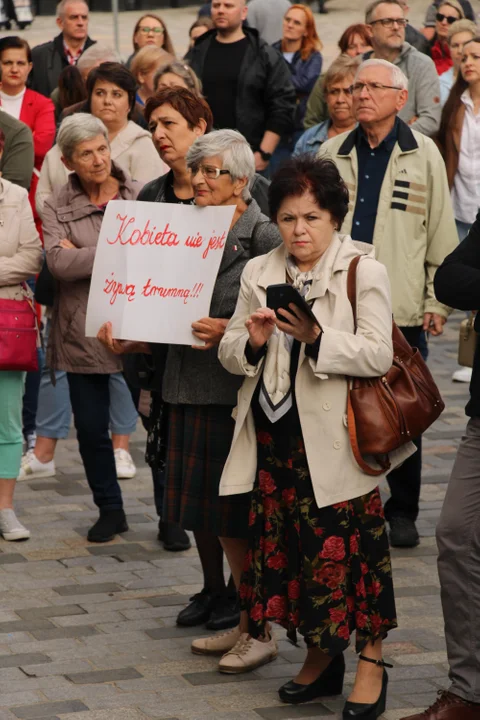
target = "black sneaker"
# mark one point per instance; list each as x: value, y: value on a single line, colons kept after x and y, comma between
x: 403, y: 532
x: 109, y: 524
x: 198, y: 611
x: 173, y: 537
x: 225, y: 613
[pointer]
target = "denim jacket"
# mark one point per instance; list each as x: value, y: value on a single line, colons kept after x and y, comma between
x: 304, y: 76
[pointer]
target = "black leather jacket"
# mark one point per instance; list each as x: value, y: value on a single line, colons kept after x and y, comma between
x: 48, y: 62
x: 266, y: 98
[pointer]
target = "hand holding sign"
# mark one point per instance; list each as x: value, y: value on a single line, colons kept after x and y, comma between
x: 210, y: 331
x: 155, y: 269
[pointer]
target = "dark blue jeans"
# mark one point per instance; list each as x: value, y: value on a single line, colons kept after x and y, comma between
x: 30, y: 397
x: 405, y: 481
x: 90, y: 399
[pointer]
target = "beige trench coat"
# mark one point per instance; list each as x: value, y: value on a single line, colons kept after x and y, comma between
x: 321, y: 385
x: 20, y: 247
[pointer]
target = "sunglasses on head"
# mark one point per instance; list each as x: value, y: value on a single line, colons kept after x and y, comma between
x: 450, y: 20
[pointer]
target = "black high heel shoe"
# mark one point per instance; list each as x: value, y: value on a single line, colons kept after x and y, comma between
x: 330, y: 682
x: 369, y: 711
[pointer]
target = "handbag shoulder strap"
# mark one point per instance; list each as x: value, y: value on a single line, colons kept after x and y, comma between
x: 352, y: 430
x: 352, y: 286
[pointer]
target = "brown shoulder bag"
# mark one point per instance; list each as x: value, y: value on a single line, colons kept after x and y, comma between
x: 386, y: 412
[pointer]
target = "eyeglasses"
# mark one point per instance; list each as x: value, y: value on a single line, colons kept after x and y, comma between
x: 389, y: 22
x: 450, y: 20
x: 372, y: 88
x: 208, y: 171
x: 157, y: 30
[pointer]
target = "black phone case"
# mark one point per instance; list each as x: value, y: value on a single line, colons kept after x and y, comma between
x: 280, y: 296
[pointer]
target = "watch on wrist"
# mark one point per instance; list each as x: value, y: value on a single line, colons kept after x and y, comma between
x: 265, y: 155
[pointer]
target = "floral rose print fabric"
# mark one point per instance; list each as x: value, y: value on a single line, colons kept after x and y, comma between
x: 325, y: 573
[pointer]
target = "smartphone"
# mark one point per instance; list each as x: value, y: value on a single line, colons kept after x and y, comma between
x: 280, y: 296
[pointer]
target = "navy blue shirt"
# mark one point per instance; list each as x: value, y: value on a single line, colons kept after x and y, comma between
x: 372, y: 166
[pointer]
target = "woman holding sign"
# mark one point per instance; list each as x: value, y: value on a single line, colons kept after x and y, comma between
x: 199, y: 393
x: 72, y: 219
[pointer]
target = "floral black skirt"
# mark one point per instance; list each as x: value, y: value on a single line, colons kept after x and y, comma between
x: 324, y: 572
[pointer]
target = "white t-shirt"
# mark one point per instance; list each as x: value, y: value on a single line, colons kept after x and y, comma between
x: 466, y: 185
x: 288, y: 56
x: 12, y: 104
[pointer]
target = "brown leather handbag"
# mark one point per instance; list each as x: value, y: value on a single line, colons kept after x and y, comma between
x: 387, y: 412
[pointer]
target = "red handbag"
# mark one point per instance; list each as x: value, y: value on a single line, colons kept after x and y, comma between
x: 18, y: 335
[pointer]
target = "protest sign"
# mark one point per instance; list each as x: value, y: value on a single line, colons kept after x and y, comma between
x: 155, y: 269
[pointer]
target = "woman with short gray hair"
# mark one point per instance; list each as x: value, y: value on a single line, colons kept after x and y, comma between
x: 199, y: 395
x: 77, y: 129
x: 237, y: 157
x: 72, y: 218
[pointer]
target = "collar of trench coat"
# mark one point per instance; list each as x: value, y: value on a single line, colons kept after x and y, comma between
x: 336, y: 258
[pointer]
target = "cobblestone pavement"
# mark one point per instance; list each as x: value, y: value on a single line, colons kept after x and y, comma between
x: 87, y: 632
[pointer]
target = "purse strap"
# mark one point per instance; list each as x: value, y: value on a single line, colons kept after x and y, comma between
x: 352, y: 428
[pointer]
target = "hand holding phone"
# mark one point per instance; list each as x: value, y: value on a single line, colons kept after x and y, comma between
x: 294, y: 315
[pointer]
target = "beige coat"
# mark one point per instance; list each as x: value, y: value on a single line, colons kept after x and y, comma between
x: 20, y: 246
x: 132, y: 149
x: 415, y: 227
x: 320, y: 386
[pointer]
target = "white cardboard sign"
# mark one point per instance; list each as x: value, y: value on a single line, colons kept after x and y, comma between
x: 155, y: 269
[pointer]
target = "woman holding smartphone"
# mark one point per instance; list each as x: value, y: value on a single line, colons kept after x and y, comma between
x: 317, y: 557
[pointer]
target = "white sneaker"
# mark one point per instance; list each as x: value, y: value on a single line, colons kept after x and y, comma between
x: 463, y: 375
x: 217, y: 644
x: 125, y: 466
x: 11, y: 528
x: 31, y: 467
x: 248, y: 654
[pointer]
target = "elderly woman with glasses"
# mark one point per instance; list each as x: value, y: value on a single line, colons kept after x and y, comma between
x: 200, y: 394
x: 72, y: 219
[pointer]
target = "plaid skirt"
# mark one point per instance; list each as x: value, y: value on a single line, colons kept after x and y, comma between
x: 199, y: 440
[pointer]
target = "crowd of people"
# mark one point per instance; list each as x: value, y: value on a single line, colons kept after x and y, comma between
x: 248, y: 439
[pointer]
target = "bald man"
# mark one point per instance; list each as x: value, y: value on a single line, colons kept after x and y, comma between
x: 246, y: 82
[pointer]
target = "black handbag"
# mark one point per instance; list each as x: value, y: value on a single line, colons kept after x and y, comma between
x: 45, y: 287
x: 145, y: 372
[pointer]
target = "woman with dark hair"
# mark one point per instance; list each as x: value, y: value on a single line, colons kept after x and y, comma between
x: 458, y: 139
x: 449, y: 11
x: 71, y: 88
x: 317, y: 557
x: 300, y: 46
x: 150, y: 30
x: 110, y: 97
x: 199, y: 27
x: 355, y: 40
x: 35, y: 110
